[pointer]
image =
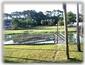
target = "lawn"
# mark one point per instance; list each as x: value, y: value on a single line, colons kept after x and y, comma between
x: 55, y: 53
x: 41, y: 30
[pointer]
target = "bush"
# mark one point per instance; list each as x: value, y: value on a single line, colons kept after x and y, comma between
x: 44, y: 22
x: 61, y: 23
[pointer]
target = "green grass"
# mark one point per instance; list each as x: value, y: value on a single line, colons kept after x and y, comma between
x: 40, y: 30
x: 41, y: 53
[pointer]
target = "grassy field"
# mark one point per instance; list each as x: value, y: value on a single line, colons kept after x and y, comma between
x: 41, y: 30
x: 52, y: 53
x: 55, y: 53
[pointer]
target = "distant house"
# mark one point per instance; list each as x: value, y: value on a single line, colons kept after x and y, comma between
x: 75, y: 24
x: 7, y: 23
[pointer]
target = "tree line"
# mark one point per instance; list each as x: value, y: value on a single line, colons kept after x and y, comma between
x: 31, y: 18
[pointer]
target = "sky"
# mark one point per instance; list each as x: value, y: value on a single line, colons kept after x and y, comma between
x: 12, y: 7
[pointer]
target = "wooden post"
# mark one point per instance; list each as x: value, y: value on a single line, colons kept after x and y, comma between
x: 66, y: 32
x: 77, y: 19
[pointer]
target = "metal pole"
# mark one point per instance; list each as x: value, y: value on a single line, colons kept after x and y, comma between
x: 77, y: 19
x: 66, y: 32
x: 57, y: 32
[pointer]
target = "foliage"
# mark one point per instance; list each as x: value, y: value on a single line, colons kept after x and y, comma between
x: 21, y: 23
x: 61, y: 23
x: 71, y: 17
x: 15, y: 23
x: 29, y: 18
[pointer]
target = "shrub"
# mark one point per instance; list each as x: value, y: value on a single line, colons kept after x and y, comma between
x: 61, y: 23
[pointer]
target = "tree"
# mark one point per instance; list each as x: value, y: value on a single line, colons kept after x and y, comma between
x: 28, y: 22
x: 71, y: 17
x: 61, y: 22
x: 40, y: 16
x: 48, y: 13
x: 60, y: 13
x: 15, y: 23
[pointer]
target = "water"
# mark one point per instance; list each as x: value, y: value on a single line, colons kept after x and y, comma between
x: 44, y: 39
x: 72, y: 37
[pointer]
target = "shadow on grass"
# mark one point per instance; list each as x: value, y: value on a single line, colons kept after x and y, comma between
x: 10, y: 61
x: 27, y: 59
x: 70, y: 60
x: 32, y: 44
x: 74, y: 60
